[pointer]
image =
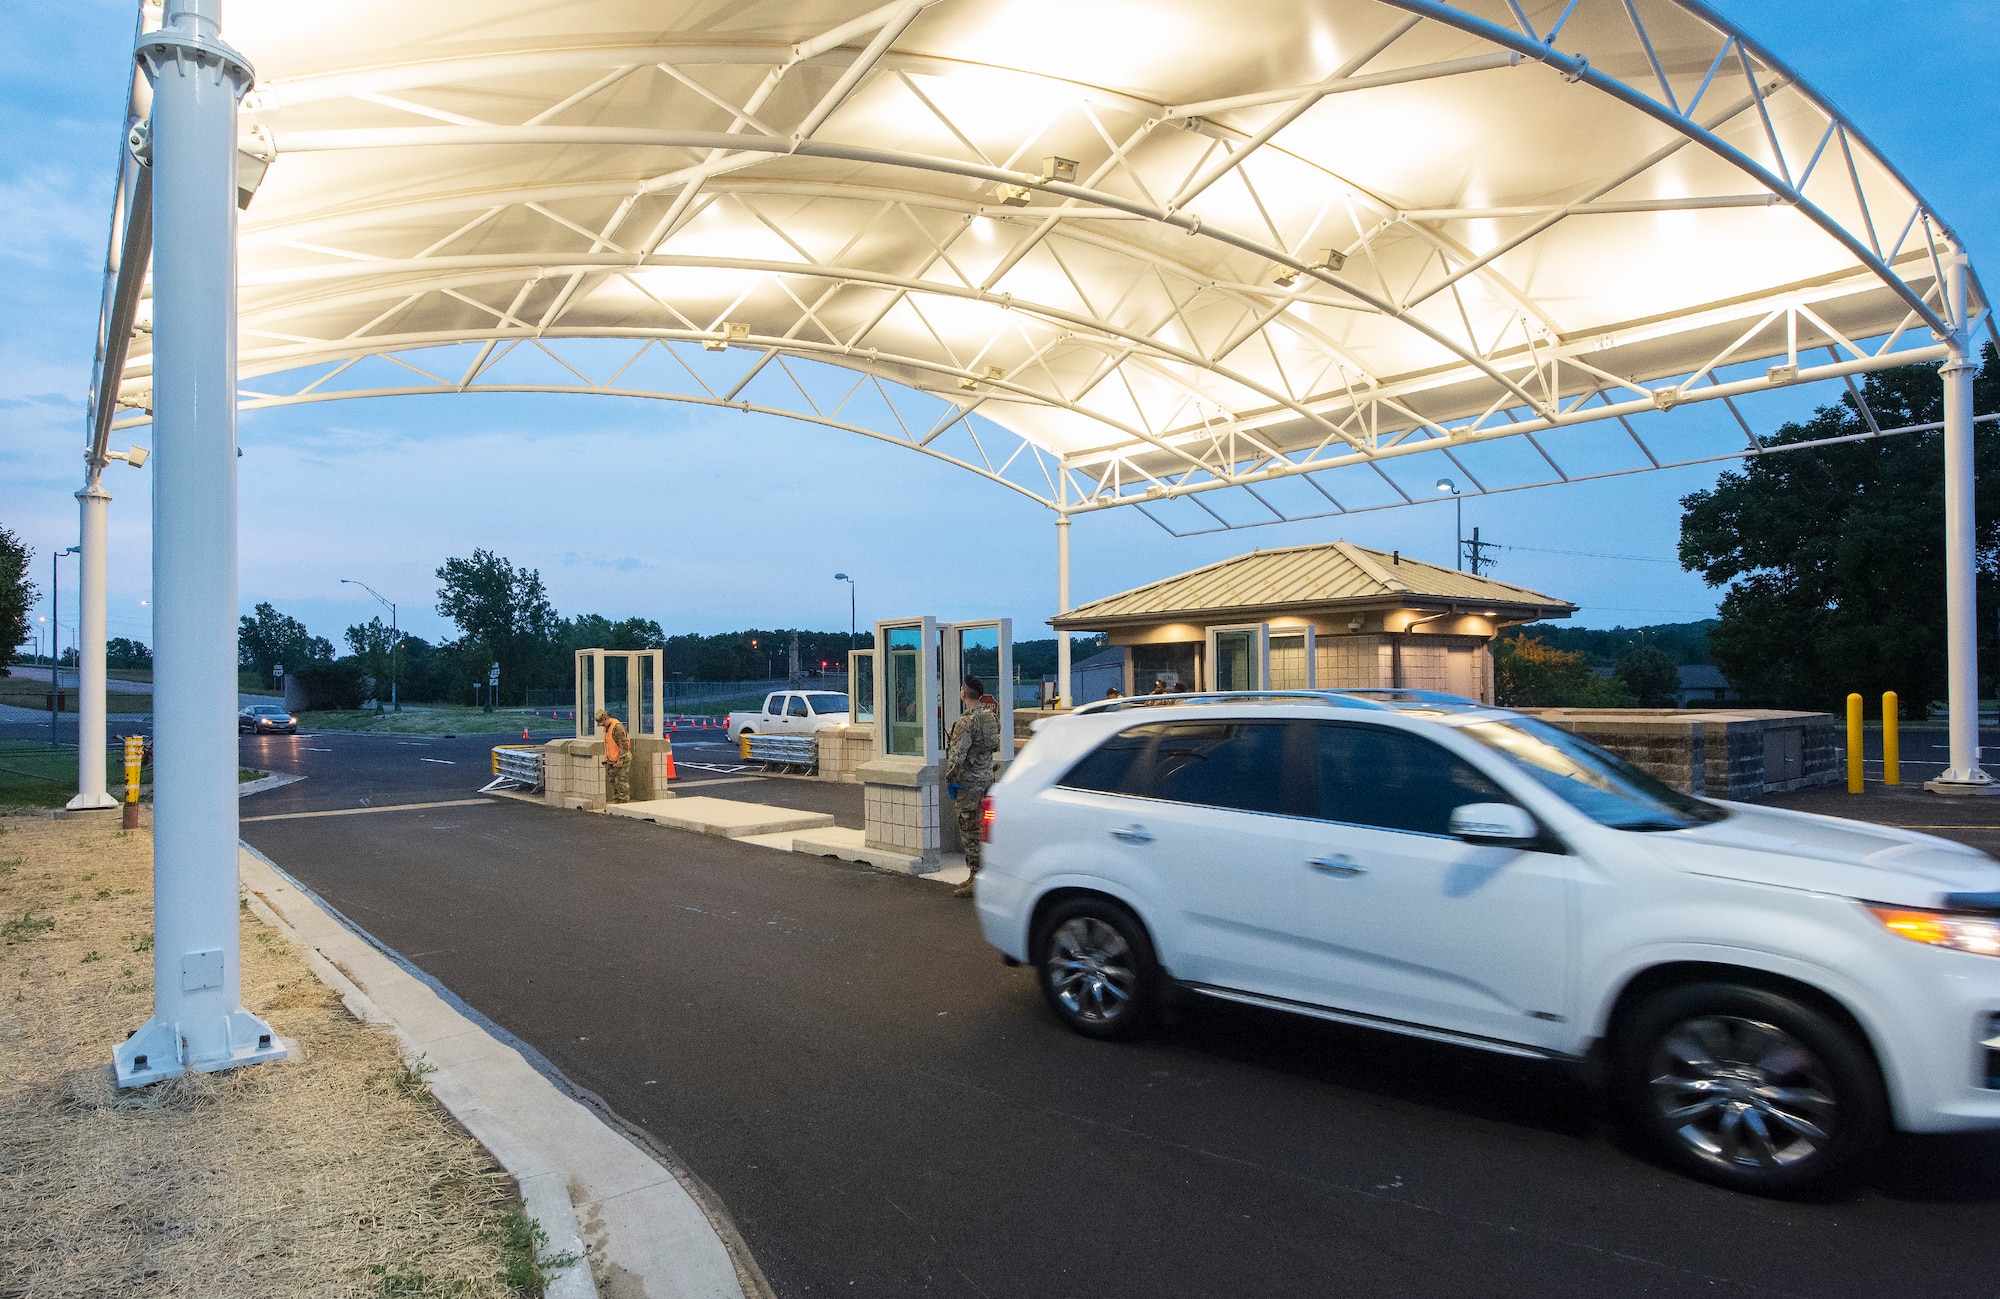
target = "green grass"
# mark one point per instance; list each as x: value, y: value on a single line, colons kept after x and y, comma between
x: 34, y: 775
x: 431, y: 719
x: 18, y: 692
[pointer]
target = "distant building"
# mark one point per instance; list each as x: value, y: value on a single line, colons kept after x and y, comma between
x: 1091, y: 678
x: 1329, y: 616
x: 1702, y: 683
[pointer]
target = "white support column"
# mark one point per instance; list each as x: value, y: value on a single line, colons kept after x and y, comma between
x: 198, y: 1019
x: 90, y: 730
x: 1961, y: 571
x: 1062, y: 607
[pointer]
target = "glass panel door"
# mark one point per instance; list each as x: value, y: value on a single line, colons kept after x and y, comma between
x: 1236, y: 657
x: 861, y: 687
x: 905, y: 679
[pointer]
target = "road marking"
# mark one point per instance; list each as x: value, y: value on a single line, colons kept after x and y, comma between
x: 357, y: 811
x: 310, y: 749
x: 442, y: 762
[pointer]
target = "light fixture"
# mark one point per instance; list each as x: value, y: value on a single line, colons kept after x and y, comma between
x: 1447, y: 485
x: 254, y: 154
x: 1062, y: 169
x: 987, y: 373
x: 133, y: 456
x: 732, y: 331
x: 1011, y: 195
x: 1783, y: 373
x: 1330, y: 259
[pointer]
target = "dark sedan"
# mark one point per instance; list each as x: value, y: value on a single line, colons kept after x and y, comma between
x: 262, y: 719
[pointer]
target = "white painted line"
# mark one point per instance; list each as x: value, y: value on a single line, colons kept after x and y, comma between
x: 359, y: 811
x: 442, y: 762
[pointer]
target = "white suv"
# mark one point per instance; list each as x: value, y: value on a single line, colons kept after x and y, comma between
x: 1768, y: 991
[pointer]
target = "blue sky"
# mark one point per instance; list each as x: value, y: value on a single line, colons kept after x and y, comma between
x: 708, y: 522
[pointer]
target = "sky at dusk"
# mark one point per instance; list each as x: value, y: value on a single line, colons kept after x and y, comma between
x: 708, y: 521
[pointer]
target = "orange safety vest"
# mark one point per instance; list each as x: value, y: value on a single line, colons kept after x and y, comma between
x: 613, y: 733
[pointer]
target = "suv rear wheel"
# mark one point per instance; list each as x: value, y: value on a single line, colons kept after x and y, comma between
x: 1096, y: 968
x: 1749, y: 1088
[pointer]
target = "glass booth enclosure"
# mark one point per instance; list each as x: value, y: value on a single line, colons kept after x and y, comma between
x: 861, y: 687
x: 906, y: 688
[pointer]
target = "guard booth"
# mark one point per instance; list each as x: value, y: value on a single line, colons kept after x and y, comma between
x: 910, y: 684
x: 629, y: 685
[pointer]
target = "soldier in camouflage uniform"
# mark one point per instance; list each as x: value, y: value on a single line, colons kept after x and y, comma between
x: 968, y: 768
x: 617, y: 758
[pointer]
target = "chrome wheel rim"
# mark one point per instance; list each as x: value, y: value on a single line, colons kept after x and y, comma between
x: 1742, y: 1094
x: 1090, y: 970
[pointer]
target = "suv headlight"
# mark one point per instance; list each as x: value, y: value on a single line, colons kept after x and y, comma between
x: 1958, y: 930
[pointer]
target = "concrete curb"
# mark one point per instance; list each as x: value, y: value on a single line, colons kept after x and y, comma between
x: 274, y: 781
x: 643, y: 1230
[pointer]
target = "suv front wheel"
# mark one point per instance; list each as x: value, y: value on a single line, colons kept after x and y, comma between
x: 1096, y: 967
x: 1749, y: 1088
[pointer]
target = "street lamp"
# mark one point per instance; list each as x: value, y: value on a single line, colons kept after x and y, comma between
x: 395, y: 642
x: 55, y: 638
x: 1458, y: 529
x: 842, y: 577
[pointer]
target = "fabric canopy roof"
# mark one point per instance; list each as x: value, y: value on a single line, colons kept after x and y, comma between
x: 1169, y: 245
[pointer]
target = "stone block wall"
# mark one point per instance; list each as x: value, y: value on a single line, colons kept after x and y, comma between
x: 904, y: 819
x: 842, y: 750
x: 573, y: 773
x: 1735, y: 754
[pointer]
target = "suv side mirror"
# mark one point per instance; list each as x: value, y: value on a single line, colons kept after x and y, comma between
x: 1501, y: 824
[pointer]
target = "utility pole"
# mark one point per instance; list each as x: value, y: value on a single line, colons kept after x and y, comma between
x: 1458, y: 527
x: 55, y: 640
x: 1475, y: 552
x: 395, y: 641
x: 795, y: 680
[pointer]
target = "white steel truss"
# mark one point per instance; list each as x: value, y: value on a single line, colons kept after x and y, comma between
x: 1093, y: 293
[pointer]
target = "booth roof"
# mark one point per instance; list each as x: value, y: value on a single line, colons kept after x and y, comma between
x: 1308, y: 577
x: 1170, y: 244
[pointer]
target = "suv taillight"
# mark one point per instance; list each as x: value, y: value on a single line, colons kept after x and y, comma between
x: 986, y: 820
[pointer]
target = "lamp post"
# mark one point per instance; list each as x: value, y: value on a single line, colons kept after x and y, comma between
x: 395, y: 639
x: 1458, y: 528
x: 842, y: 577
x: 55, y: 637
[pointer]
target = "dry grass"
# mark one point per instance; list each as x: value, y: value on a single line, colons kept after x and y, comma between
x: 336, y: 1174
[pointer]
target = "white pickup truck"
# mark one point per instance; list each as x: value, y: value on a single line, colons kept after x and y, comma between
x: 790, y: 712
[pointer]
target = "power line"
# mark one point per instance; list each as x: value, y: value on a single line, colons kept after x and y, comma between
x: 1590, y: 554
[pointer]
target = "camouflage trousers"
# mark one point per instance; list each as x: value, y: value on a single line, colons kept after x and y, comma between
x: 966, y: 811
x: 617, y: 781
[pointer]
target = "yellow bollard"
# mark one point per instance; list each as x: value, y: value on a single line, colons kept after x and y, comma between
x: 135, y: 756
x: 1892, y: 771
x: 1854, y: 744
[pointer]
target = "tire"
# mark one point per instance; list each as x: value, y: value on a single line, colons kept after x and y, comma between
x: 1749, y: 1089
x: 1096, y: 968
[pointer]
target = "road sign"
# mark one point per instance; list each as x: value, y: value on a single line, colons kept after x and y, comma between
x: 493, y: 675
x: 277, y: 669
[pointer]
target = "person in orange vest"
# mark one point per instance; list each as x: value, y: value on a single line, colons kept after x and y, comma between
x: 617, y: 758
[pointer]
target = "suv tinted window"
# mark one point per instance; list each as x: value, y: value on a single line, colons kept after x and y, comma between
x: 1114, y: 767
x: 1393, y: 780
x: 1238, y: 765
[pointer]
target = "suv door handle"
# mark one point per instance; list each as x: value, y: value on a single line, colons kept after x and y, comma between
x: 1338, y: 864
x: 1132, y: 834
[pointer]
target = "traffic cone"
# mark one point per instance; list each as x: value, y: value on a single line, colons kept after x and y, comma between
x: 670, y: 762
x: 524, y: 733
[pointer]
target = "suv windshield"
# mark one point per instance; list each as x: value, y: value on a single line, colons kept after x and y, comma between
x: 1608, y: 790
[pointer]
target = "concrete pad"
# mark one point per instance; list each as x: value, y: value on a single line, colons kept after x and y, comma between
x: 852, y: 845
x: 583, y: 1180
x: 722, y: 817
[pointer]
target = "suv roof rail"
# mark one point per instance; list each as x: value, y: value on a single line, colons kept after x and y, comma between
x: 1330, y: 698
x: 1370, y: 697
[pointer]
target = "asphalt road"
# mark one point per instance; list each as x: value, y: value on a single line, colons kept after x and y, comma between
x: 886, y: 1110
